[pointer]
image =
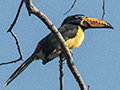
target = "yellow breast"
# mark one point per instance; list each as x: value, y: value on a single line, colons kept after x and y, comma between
x: 77, y: 40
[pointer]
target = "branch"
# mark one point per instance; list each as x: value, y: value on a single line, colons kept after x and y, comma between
x: 76, y: 74
x: 61, y: 71
x: 14, y: 61
x: 103, y: 9
x: 17, y: 15
x: 71, y: 7
x: 17, y: 42
x: 18, y: 46
x: 33, y: 10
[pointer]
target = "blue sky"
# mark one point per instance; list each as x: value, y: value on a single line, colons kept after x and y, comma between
x: 97, y: 59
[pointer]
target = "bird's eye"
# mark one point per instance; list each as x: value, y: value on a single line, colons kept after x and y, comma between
x: 79, y: 17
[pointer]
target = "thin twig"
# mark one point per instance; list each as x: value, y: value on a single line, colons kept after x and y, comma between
x: 15, y: 37
x: 103, y: 9
x: 16, y: 17
x: 61, y: 71
x: 18, y: 46
x: 71, y: 7
x: 14, y: 61
x: 88, y: 87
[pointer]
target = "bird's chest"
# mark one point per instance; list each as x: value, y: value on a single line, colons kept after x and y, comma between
x: 77, y: 40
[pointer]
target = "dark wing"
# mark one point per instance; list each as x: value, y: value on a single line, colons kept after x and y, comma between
x: 51, y: 47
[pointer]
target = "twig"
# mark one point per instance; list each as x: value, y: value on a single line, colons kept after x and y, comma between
x: 88, y: 87
x: 103, y: 9
x: 61, y: 71
x: 16, y: 17
x: 76, y: 74
x: 71, y: 7
x: 17, y: 42
x: 18, y: 46
x: 10, y: 30
x: 14, y: 61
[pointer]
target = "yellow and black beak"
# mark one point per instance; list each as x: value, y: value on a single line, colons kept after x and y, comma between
x: 88, y: 22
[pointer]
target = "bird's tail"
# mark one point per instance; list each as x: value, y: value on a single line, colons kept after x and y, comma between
x: 20, y: 69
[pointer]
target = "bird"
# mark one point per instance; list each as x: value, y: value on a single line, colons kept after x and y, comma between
x: 72, y: 29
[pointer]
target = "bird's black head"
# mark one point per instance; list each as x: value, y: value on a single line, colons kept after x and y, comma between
x: 74, y: 19
x: 86, y: 22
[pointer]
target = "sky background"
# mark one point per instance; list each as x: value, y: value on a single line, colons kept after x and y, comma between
x: 97, y: 59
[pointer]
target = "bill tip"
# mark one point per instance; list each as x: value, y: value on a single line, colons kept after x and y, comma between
x: 5, y: 85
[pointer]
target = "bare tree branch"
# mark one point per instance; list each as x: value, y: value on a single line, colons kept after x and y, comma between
x: 15, y: 37
x: 76, y: 74
x: 18, y: 46
x: 71, y: 7
x: 17, y: 15
x: 61, y: 71
x: 14, y: 61
x: 103, y: 9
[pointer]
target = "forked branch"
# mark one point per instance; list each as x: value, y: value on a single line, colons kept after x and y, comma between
x: 15, y: 37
